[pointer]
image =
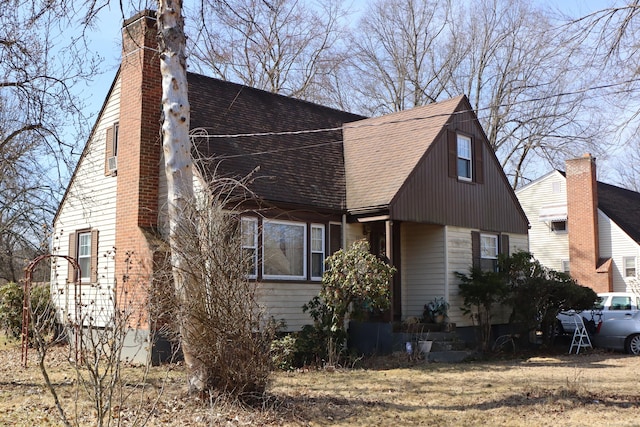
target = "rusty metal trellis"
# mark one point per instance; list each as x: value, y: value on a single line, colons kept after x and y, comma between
x: 26, y: 301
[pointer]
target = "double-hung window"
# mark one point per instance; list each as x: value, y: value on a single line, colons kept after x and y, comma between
x: 284, y: 250
x: 84, y: 256
x: 629, y: 266
x: 464, y: 162
x: 317, y: 251
x: 488, y: 252
x: 249, y: 228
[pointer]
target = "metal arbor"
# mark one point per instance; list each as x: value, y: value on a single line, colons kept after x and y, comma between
x: 26, y: 301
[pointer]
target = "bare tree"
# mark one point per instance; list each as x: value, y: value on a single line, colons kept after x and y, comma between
x: 526, y: 84
x: 611, y: 34
x: 38, y: 113
x: 400, y: 56
x: 282, y: 46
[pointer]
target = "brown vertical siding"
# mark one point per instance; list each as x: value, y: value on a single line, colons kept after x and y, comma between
x: 432, y: 195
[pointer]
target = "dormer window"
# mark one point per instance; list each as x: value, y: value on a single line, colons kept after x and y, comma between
x: 464, y: 158
x: 465, y: 162
x: 111, y: 150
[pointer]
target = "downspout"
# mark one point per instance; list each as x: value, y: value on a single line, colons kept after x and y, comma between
x: 344, y: 231
x: 446, y: 263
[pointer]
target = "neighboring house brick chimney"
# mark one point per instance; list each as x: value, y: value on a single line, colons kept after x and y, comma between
x: 139, y: 149
x: 582, y: 222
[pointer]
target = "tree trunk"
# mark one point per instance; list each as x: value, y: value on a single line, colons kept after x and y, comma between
x: 177, y: 155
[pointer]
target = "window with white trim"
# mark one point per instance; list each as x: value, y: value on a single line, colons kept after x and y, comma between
x: 565, y: 266
x: 489, y: 252
x: 249, y: 230
x: 84, y: 255
x: 284, y: 249
x: 464, y: 161
x: 629, y: 265
x: 317, y: 251
x: 488, y: 246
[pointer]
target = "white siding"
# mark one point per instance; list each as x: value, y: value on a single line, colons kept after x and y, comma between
x: 284, y: 301
x: 89, y: 203
x: 422, y: 266
x: 616, y: 244
x: 459, y: 259
x: 548, y: 247
x: 354, y: 232
x: 551, y: 248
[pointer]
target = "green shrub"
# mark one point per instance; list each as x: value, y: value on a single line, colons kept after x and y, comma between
x: 42, y: 310
x: 11, y: 296
x: 283, y: 352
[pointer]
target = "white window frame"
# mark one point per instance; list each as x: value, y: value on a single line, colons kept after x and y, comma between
x: 265, y: 235
x: 83, y: 255
x: 626, y: 268
x: 483, y: 247
x: 251, y: 244
x: 464, y: 151
x: 565, y: 266
x: 314, y: 250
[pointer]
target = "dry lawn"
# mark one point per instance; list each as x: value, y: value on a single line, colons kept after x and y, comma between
x: 555, y: 389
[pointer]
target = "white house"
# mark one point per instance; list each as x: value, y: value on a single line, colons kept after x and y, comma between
x: 584, y: 227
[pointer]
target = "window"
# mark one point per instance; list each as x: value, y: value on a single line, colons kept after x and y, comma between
x: 629, y: 266
x: 284, y: 249
x: 558, y: 226
x: 317, y: 251
x: 565, y: 266
x: 464, y: 157
x: 249, y: 227
x: 83, y: 246
x: 620, y: 303
x: 84, y: 256
x: 488, y: 252
x: 485, y: 248
x: 488, y: 246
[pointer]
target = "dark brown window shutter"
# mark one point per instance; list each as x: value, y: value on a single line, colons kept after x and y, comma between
x: 475, y: 248
x: 335, y: 238
x: 478, y: 166
x: 94, y: 256
x: 71, y: 271
x: 452, y: 150
x: 504, y: 244
x: 108, y: 150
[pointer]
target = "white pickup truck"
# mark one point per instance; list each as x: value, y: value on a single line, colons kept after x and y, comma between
x: 610, y: 305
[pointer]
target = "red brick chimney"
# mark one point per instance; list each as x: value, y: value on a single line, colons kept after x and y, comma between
x: 138, y: 158
x: 586, y: 266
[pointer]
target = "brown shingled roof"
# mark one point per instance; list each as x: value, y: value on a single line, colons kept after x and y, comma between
x: 302, y: 169
x: 379, y: 157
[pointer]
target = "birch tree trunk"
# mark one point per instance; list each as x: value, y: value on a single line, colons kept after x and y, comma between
x: 177, y: 156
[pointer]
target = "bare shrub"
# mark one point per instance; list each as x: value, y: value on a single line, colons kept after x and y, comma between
x: 95, y: 328
x: 220, y: 321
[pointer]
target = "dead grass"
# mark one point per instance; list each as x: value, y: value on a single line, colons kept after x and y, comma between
x: 545, y: 390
